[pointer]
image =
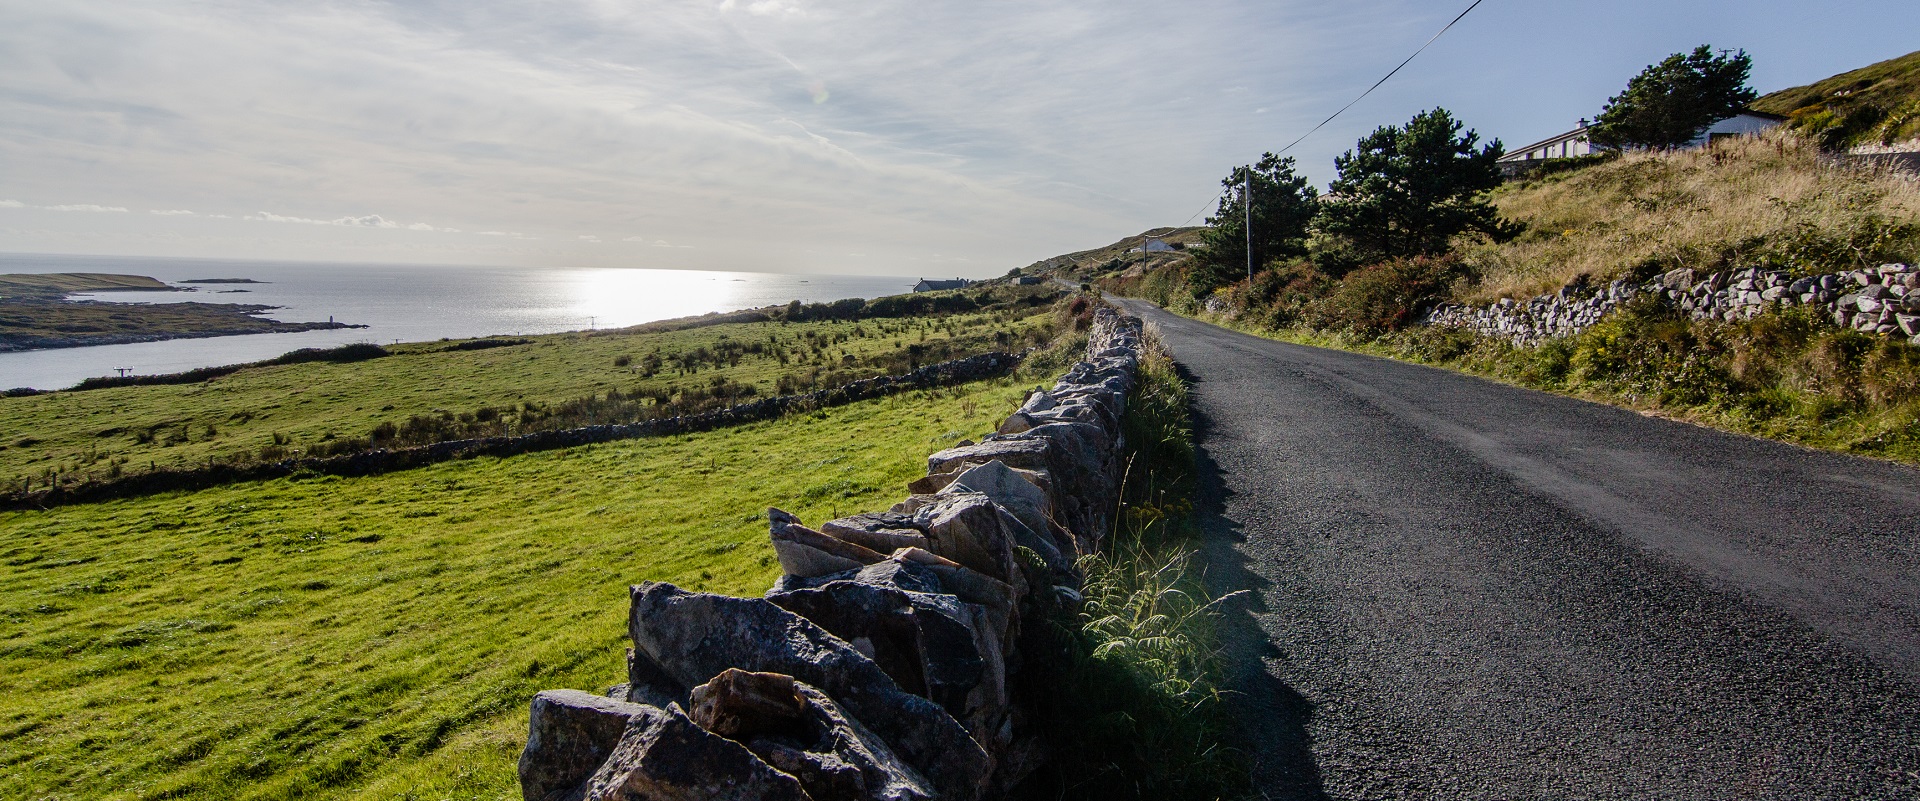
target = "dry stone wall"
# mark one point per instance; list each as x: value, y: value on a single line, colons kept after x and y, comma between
x: 880, y: 665
x: 1884, y: 300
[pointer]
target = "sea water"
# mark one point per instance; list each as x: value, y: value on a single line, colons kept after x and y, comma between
x: 400, y: 303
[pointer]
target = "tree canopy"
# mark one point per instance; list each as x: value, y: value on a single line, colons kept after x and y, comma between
x: 1407, y: 191
x: 1670, y: 103
x: 1283, y: 204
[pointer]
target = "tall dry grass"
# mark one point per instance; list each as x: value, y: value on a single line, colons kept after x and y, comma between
x: 1765, y: 201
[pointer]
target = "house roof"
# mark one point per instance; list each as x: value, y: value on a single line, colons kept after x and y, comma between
x: 1516, y: 153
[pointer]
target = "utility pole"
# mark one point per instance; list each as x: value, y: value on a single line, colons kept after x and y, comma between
x: 1246, y: 197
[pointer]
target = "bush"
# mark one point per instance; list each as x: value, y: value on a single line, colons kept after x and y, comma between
x: 1386, y: 297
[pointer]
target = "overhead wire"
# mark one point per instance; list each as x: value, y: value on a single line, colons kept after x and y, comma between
x: 1363, y: 95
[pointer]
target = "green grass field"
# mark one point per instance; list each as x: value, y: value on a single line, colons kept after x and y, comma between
x: 294, y: 408
x: 380, y: 637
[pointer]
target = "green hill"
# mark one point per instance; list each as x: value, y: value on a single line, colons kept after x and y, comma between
x: 1874, y: 105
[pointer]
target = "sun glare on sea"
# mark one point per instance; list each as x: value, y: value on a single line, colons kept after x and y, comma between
x: 613, y: 298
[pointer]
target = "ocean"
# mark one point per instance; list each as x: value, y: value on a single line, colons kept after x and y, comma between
x: 401, y: 303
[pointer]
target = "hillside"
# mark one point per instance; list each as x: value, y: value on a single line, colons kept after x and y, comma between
x: 1877, y: 105
x: 1114, y: 259
x: 1771, y: 208
x: 16, y: 285
x: 1767, y: 202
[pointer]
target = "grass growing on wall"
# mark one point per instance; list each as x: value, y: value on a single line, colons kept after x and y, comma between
x: 380, y: 637
x: 1134, y: 711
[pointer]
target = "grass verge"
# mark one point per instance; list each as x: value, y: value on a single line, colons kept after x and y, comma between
x: 1133, y: 710
x: 1787, y: 375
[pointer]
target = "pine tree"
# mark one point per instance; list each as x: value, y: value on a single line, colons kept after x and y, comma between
x: 1283, y: 205
x: 1405, y: 192
x: 1670, y: 103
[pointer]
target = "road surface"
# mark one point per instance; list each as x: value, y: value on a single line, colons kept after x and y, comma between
x: 1467, y: 590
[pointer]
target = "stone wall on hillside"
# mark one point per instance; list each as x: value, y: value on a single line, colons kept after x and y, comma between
x: 387, y: 460
x: 884, y: 663
x: 1884, y: 300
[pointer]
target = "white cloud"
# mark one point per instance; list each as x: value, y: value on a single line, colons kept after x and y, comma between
x: 84, y: 207
x: 369, y: 221
x: 11, y: 204
x: 1000, y: 132
x: 170, y: 212
x: 589, y: 238
x: 364, y: 221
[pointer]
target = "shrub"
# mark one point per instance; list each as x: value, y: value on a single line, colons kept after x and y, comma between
x: 1386, y: 297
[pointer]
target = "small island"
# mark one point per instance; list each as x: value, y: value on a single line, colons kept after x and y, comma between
x: 35, y: 313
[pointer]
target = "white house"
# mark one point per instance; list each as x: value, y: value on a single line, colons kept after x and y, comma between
x: 1743, y: 124
x: 1566, y: 145
x: 1575, y: 142
x: 1154, y: 245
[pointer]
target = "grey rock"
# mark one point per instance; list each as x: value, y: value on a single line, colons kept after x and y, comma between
x: 934, y: 646
x: 664, y: 756
x: 805, y: 552
x: 883, y: 532
x: 570, y: 734
x: 969, y: 528
x: 693, y: 637
x: 836, y: 757
x: 1020, y: 495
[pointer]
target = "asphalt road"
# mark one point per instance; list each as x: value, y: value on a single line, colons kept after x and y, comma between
x: 1467, y: 590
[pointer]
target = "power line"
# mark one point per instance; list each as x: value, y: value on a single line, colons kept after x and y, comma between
x: 1343, y: 109
x: 1376, y: 84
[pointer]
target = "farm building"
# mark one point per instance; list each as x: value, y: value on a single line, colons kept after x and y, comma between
x: 931, y: 285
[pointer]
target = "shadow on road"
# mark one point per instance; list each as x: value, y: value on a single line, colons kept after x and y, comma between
x: 1271, y: 716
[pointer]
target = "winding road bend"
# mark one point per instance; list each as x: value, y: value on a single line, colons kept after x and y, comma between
x: 1467, y: 590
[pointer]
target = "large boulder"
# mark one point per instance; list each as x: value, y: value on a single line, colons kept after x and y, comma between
x: 692, y: 637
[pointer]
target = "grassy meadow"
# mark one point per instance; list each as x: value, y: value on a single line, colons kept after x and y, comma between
x: 287, y: 410
x: 380, y: 637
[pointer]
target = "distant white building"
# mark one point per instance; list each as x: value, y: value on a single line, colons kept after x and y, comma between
x: 1576, y: 142
x: 1154, y: 245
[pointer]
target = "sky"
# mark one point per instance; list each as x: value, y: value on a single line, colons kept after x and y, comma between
x: 891, y: 137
